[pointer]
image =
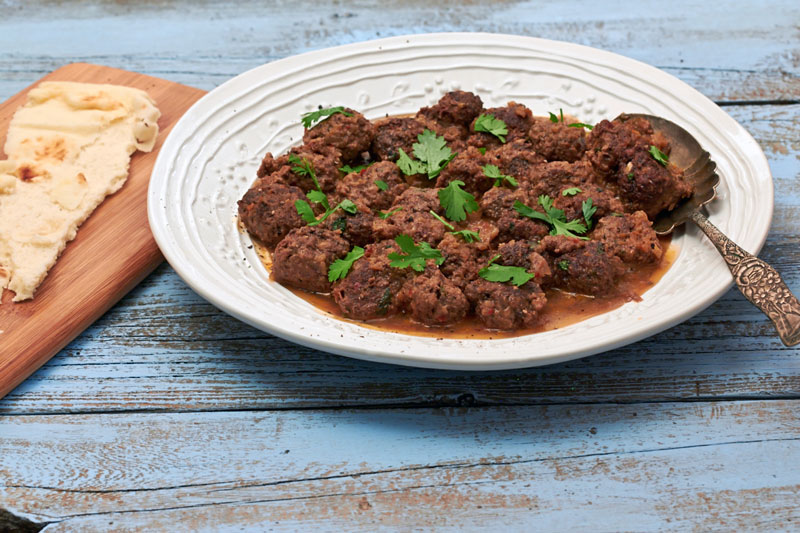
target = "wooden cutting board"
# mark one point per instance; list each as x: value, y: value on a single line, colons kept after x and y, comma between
x: 114, y: 249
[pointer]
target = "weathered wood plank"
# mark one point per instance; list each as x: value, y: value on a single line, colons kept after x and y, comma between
x: 191, y: 356
x: 209, y: 42
x: 659, y: 465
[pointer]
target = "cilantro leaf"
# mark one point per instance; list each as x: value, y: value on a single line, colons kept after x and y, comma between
x: 456, y: 201
x: 580, y: 125
x: 305, y: 211
x: 482, y: 150
x: 381, y: 185
x: 347, y: 169
x: 384, y: 216
x: 553, y: 118
x: 320, y: 115
x: 340, y: 267
x: 443, y: 221
x: 588, y: 212
x: 409, y: 166
x: 415, y: 255
x: 572, y: 191
x: 555, y: 217
x: 468, y: 235
x: 348, y: 206
x: 432, y: 156
x: 318, y: 197
x: 303, y: 167
x: 658, y: 155
x: 493, y: 172
x: 563, y: 264
x: 504, y: 274
x: 488, y: 124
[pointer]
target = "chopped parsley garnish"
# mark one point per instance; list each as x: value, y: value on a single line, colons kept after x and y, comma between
x: 381, y: 185
x: 322, y: 114
x: 563, y: 264
x: 488, y: 124
x: 588, y: 212
x: 482, y: 150
x: 415, y: 254
x: 658, y: 155
x: 340, y: 267
x: 493, y: 172
x: 456, y: 201
x: 347, y: 169
x: 630, y: 176
x: 432, y: 156
x: 384, y: 216
x: 307, y: 214
x: 504, y: 274
x: 554, y: 217
x: 303, y: 167
x: 467, y: 235
x: 572, y: 191
x: 580, y: 125
x: 555, y: 119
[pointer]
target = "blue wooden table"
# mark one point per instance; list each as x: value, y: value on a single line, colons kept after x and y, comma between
x: 168, y: 414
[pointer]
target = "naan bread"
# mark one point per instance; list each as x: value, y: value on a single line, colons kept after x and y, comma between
x: 68, y: 148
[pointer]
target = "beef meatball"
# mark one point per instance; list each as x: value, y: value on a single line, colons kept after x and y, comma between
x: 362, y: 186
x: 392, y: 134
x: 355, y: 227
x: 522, y: 254
x: 303, y: 257
x: 604, y: 201
x: 370, y: 288
x: 630, y: 237
x: 267, y: 211
x: 454, y: 108
x: 504, y: 306
x: 553, y: 177
x: 516, y: 159
x: 518, y: 120
x: 351, y: 135
x: 414, y: 217
x: 467, y: 167
x: 433, y: 299
x: 556, y: 141
x: 579, y: 266
x: 645, y: 184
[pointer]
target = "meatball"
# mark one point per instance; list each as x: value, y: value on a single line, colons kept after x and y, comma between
x: 303, y: 257
x: 630, y: 237
x: 454, y: 108
x: 613, y: 142
x: 361, y: 186
x: 393, y: 134
x: 369, y: 290
x: 433, y: 299
x: 505, y: 306
x: 522, y: 254
x: 497, y: 204
x: 602, y: 199
x: 518, y: 120
x: 267, y: 211
x: 462, y: 260
x: 351, y: 135
x: 355, y: 227
x: 579, y: 266
x: 467, y: 167
x: 556, y: 141
x: 553, y: 177
x: 646, y: 184
x: 516, y: 159
x: 414, y: 218
x: 323, y: 160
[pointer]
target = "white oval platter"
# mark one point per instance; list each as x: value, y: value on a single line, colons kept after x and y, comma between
x: 211, y: 156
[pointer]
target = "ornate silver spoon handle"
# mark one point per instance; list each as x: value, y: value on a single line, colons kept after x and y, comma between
x: 759, y: 282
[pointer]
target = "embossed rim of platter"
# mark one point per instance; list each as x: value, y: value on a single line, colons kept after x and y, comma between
x: 209, y: 159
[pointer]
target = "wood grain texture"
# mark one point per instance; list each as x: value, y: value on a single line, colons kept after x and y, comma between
x: 659, y: 466
x: 168, y: 414
x: 113, y: 251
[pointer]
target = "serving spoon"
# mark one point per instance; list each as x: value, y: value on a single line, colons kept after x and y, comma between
x: 758, y: 282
